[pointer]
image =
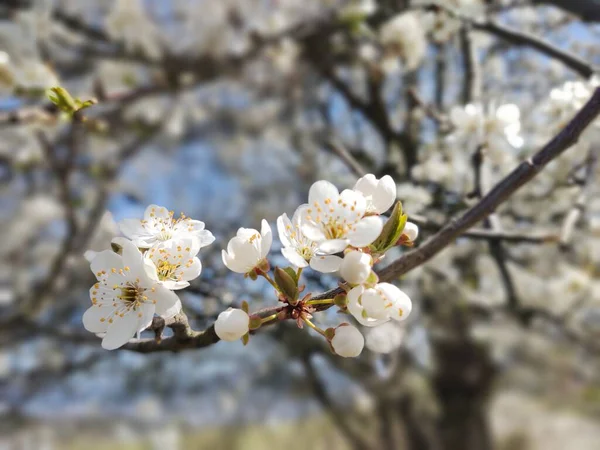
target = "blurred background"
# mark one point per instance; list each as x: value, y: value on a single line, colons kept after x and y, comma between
x: 228, y: 110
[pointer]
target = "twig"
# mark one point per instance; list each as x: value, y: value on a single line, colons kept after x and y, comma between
x: 520, y: 38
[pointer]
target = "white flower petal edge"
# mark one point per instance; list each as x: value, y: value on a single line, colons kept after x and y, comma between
x: 232, y: 324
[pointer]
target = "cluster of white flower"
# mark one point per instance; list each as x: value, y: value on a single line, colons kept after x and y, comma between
x: 331, y: 223
x: 158, y: 256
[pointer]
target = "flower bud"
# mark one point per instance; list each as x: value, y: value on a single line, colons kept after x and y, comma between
x: 356, y: 267
x: 347, y: 341
x: 232, y: 324
x: 411, y: 231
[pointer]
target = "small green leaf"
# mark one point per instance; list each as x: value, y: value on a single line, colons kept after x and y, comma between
x: 245, y: 338
x: 245, y: 306
x: 391, y: 232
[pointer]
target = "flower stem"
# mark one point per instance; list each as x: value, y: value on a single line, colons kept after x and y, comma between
x: 266, y: 276
x: 314, y: 327
x: 269, y: 318
x: 325, y: 301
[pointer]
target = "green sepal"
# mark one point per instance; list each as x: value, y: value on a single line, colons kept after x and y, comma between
x: 255, y: 323
x: 245, y: 306
x: 245, y: 338
x: 340, y: 300
x: 391, y: 232
x: 330, y: 333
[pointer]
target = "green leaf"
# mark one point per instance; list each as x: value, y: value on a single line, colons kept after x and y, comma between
x: 245, y: 306
x: 66, y: 103
x: 392, y: 230
x: 245, y: 339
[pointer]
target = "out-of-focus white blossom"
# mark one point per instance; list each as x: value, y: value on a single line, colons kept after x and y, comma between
x: 493, y: 127
x: 347, y: 341
x: 404, y: 36
x: 298, y: 249
x: 380, y: 194
x: 125, y: 299
x: 356, y: 267
x: 377, y: 305
x: 385, y: 338
x: 248, y: 249
x: 159, y: 224
x: 232, y: 324
x: 358, y: 9
x: 335, y: 220
x: 129, y: 23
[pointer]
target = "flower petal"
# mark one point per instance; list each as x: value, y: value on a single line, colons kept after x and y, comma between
x: 325, y: 264
x: 331, y: 246
x: 167, y: 302
x: 284, y: 227
x: 292, y: 255
x: 366, y: 231
x: 385, y: 195
x: 121, y: 330
x: 267, y: 238
x: 105, y: 261
x: 322, y: 190
x: 312, y: 232
x: 92, y: 318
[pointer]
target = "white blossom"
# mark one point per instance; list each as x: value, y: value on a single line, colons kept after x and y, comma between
x: 298, y: 249
x: 129, y: 23
x: 404, y: 35
x: 337, y: 220
x: 173, y: 263
x: 248, y: 248
x: 347, y: 341
x: 159, y: 224
x: 125, y: 299
x: 411, y: 231
x: 356, y: 267
x: 380, y: 194
x: 232, y: 324
x: 491, y: 126
x: 385, y: 338
x: 377, y: 305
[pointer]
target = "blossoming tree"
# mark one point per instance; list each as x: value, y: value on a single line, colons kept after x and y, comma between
x: 430, y: 170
